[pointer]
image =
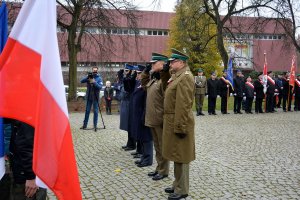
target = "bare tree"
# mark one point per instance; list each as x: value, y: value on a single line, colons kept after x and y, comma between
x: 231, y: 8
x: 76, y: 16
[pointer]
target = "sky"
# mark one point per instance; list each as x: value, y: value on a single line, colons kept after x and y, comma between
x: 161, y: 5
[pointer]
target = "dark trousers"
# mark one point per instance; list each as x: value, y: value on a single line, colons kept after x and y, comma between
x: 108, y: 106
x: 258, y: 105
x: 237, y: 104
x: 270, y: 99
x: 212, y: 104
x: 131, y: 143
x: 89, y: 104
x: 249, y: 102
x: 297, y: 103
x: 224, y: 104
x: 286, y: 101
x: 147, y: 148
x: 279, y: 100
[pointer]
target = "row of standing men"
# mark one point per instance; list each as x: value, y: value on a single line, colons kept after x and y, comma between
x: 277, y: 91
x: 156, y: 109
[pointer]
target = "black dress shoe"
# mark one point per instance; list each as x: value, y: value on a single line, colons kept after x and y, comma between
x: 240, y: 112
x: 95, y: 129
x: 209, y: 114
x: 175, y: 196
x: 152, y: 173
x: 129, y: 149
x: 144, y: 165
x: 214, y: 113
x: 197, y: 114
x: 124, y: 147
x: 134, y: 153
x: 201, y: 114
x: 169, y: 190
x: 83, y: 127
x: 158, y: 177
x: 138, y: 156
x: 138, y: 162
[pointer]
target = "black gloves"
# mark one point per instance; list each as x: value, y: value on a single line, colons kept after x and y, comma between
x: 148, y: 67
x: 181, y: 135
x: 166, y: 67
x: 155, y: 75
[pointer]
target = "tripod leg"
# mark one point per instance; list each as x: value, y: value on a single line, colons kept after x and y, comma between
x: 97, y: 99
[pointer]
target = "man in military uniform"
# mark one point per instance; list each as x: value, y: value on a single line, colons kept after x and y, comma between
x: 239, y: 86
x: 155, y: 108
x: 259, y: 94
x: 200, y: 83
x: 179, y: 124
x: 223, y: 88
x: 212, y: 93
x: 270, y: 93
x: 286, y: 93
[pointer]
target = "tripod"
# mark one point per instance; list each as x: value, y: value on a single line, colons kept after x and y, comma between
x: 97, y: 99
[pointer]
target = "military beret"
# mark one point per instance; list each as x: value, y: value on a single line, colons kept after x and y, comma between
x: 200, y: 70
x: 178, y: 55
x: 298, y: 75
x: 158, y: 57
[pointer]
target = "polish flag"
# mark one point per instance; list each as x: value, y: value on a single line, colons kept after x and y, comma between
x: 293, y: 73
x: 265, y: 75
x: 32, y: 91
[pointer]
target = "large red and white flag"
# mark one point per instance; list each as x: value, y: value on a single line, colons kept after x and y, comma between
x: 32, y: 91
x: 293, y: 72
x: 265, y: 75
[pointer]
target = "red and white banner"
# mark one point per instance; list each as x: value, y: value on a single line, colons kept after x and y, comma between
x: 293, y: 72
x: 32, y: 91
x: 250, y: 85
x: 265, y: 75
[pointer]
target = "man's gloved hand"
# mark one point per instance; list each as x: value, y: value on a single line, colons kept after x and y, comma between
x: 148, y: 68
x: 166, y: 67
x: 181, y: 135
x: 133, y: 74
x: 155, y: 75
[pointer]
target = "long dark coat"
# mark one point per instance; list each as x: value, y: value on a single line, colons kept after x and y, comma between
x: 125, y: 111
x: 239, y: 86
x: 138, y: 104
x: 259, y: 89
x: 212, y: 88
x: 222, y: 88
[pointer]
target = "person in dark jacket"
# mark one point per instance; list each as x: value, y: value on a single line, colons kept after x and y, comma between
x: 239, y: 85
x: 279, y: 87
x: 223, y: 88
x: 140, y: 132
x: 297, y: 93
x: 94, y: 84
x: 249, y: 92
x: 270, y: 93
x: 212, y: 92
x: 21, y: 155
x: 117, y: 87
x: 108, y: 96
x: 259, y: 94
x: 287, y: 93
x: 125, y: 112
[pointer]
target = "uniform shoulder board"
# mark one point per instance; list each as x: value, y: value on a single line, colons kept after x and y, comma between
x: 187, y: 73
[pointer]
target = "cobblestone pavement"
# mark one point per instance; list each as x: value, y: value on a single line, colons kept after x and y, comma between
x: 237, y: 157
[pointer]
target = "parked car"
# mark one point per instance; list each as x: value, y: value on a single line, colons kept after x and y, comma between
x: 80, y: 96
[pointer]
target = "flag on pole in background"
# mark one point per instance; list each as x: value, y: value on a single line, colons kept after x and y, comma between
x: 30, y: 72
x: 3, y: 39
x: 293, y: 72
x: 230, y: 72
x: 265, y: 75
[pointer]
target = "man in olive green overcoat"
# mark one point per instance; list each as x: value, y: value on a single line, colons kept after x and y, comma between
x: 178, y: 128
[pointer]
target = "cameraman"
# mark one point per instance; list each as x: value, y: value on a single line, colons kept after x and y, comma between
x: 94, y: 85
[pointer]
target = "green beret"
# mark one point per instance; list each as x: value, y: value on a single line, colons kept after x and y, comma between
x: 298, y: 75
x: 200, y: 70
x: 158, y: 57
x: 178, y: 55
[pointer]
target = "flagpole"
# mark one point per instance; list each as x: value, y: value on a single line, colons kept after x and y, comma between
x: 265, y: 105
x: 289, y: 98
x: 227, y: 99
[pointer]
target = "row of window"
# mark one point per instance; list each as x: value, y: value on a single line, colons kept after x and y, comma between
x: 121, y: 31
x: 255, y: 36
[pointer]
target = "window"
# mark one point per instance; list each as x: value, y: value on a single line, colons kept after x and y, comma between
x: 279, y: 37
x: 159, y: 32
x: 125, y: 31
x: 166, y: 33
x: 149, y: 33
x: 274, y: 37
x: 154, y: 32
x: 265, y: 37
x: 114, y: 31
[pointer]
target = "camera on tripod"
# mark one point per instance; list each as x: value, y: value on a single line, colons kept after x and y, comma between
x: 90, y: 75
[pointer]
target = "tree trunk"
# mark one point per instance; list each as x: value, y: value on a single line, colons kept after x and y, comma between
x: 220, y: 44
x: 73, y: 64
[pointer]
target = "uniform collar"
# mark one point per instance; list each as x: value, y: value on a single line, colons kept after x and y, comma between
x: 184, y: 69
